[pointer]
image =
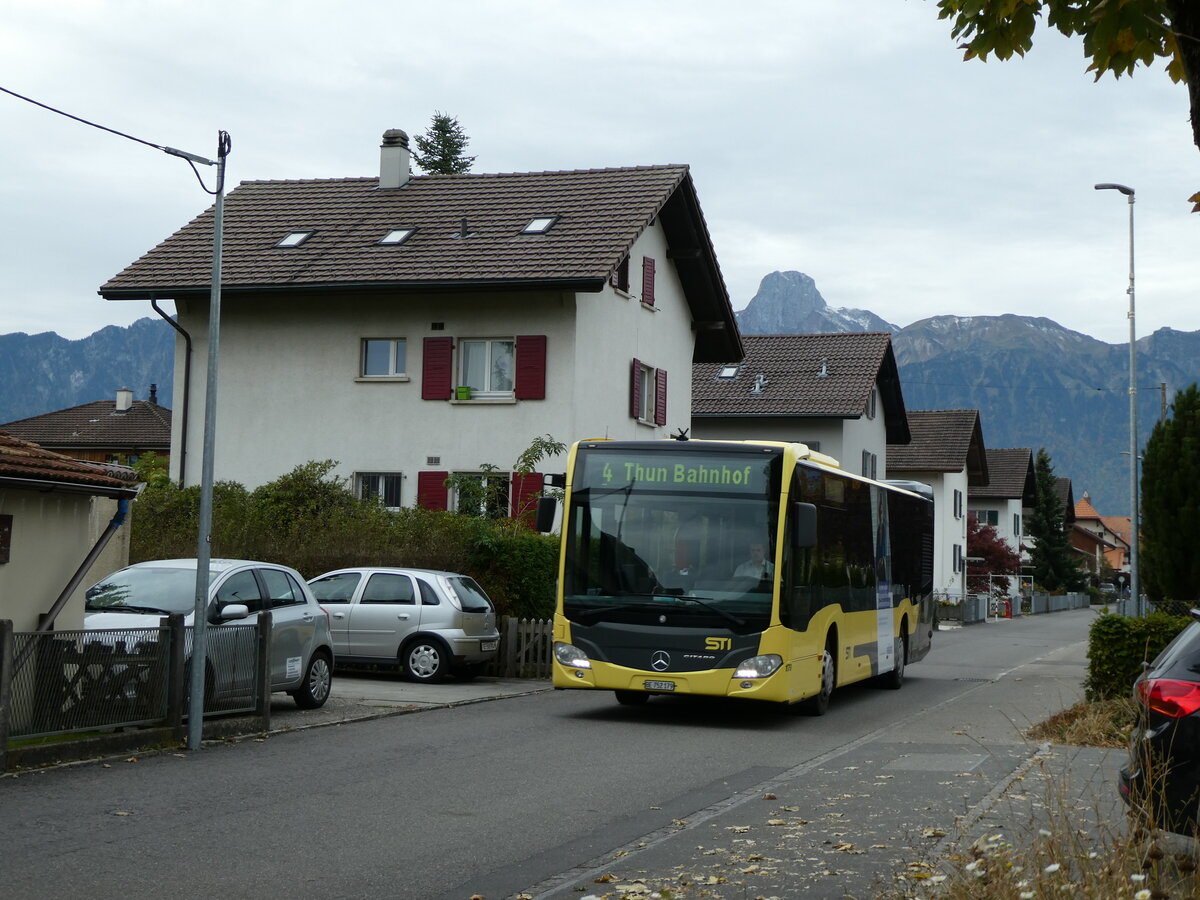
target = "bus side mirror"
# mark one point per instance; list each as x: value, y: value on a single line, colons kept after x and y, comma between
x: 804, y: 525
x: 546, y: 508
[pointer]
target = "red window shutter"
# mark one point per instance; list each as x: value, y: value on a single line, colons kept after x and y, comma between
x: 525, y: 491
x: 648, y: 280
x: 531, y: 367
x: 437, y: 368
x: 432, y: 492
x: 660, y: 396
x: 635, y: 389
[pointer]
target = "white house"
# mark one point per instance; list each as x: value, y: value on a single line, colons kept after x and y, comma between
x: 837, y: 393
x: 947, y: 453
x: 1010, y: 490
x: 53, y: 513
x: 416, y: 326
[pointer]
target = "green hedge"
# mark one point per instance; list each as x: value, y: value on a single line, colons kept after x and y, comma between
x: 313, y: 522
x: 1117, y: 647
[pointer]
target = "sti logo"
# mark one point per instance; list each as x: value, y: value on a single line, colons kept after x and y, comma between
x: 718, y: 643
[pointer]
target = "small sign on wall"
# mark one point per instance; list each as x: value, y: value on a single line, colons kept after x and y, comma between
x: 5, y: 537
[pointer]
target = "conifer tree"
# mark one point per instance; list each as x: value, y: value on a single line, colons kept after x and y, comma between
x: 1168, y: 564
x: 1054, y: 567
x: 440, y: 148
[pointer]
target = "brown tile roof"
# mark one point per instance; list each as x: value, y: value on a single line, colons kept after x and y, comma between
x: 601, y: 212
x: 1085, y: 510
x: 943, y: 440
x: 23, y: 463
x: 805, y: 375
x: 1010, y: 476
x: 98, y: 426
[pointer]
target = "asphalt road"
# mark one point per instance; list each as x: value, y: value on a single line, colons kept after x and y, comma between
x: 543, y: 794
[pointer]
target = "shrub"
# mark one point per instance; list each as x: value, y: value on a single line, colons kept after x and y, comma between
x: 1117, y: 647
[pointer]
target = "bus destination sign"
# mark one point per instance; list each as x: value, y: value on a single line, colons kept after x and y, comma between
x: 629, y: 470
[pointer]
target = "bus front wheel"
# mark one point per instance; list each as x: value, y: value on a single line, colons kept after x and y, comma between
x: 818, y: 704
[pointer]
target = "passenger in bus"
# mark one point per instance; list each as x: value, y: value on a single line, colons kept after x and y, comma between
x: 757, y: 566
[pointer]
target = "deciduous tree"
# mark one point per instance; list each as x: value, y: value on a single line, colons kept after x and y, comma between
x: 998, y: 558
x: 1117, y: 35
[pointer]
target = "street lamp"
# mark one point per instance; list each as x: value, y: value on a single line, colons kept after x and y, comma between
x: 1134, y: 589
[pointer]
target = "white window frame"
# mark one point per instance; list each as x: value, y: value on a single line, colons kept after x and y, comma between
x: 379, y: 488
x: 484, y: 477
x: 488, y: 389
x: 396, y: 368
x: 648, y: 394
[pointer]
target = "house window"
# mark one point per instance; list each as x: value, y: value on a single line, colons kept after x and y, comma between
x: 648, y: 394
x: 396, y: 236
x: 620, y: 276
x: 382, y: 357
x: 958, y: 559
x: 1016, y: 524
x: 486, y: 366
x: 871, y: 400
x: 729, y: 371
x: 480, y: 495
x: 987, y: 516
x: 958, y: 504
x: 294, y: 239
x: 382, y: 486
x: 870, y: 464
x: 539, y: 225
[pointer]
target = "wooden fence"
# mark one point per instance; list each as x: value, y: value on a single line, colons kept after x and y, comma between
x: 525, y: 648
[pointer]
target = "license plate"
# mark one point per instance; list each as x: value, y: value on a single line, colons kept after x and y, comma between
x: 484, y: 646
x: 659, y: 685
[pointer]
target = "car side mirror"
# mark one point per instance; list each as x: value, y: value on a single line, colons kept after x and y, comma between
x: 546, y: 508
x: 803, y: 525
x: 231, y: 611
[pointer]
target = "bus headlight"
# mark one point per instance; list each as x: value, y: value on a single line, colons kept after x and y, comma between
x: 758, y: 666
x: 570, y: 655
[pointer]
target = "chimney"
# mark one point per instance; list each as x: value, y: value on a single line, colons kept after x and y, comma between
x: 154, y: 394
x: 394, y: 169
x: 124, y: 400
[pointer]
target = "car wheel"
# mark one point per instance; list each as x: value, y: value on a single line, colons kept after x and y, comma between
x: 894, y: 680
x: 426, y: 660
x: 318, y: 681
x: 632, y: 698
x: 818, y: 704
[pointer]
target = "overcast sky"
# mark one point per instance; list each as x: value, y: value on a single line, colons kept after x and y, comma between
x: 845, y: 140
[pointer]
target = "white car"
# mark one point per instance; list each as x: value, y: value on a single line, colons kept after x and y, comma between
x: 138, y: 596
x: 430, y: 623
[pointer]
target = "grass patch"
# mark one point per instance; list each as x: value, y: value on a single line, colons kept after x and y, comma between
x: 1104, y: 723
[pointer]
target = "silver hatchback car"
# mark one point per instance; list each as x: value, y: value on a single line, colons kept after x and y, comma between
x: 430, y: 623
x: 138, y: 596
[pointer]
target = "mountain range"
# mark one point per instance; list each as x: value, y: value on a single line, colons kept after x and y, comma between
x: 1035, y: 383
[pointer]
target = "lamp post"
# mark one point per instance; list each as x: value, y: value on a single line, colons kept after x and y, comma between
x: 1134, y: 586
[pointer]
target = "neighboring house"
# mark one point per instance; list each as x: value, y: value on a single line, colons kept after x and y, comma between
x: 947, y: 453
x: 411, y: 327
x: 837, y: 393
x: 1011, y: 490
x: 1110, y: 537
x: 52, y: 511
x: 116, y: 431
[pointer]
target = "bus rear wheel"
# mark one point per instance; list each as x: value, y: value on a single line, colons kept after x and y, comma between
x: 894, y: 680
x: 818, y: 704
x: 632, y: 698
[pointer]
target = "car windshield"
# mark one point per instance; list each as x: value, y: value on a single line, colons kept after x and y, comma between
x: 150, y: 589
x: 471, y: 597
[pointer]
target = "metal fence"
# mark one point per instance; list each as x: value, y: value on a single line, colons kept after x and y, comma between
x: 975, y: 608
x: 99, y: 680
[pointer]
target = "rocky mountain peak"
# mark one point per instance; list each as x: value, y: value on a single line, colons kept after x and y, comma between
x: 789, y: 303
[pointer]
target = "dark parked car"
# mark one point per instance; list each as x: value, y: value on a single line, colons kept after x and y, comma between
x: 1162, y: 776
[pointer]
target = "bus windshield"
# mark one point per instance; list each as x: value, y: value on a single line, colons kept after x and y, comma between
x: 651, y: 532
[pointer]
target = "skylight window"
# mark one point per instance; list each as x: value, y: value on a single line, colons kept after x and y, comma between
x: 295, y: 239
x: 397, y: 236
x: 728, y: 371
x: 539, y: 225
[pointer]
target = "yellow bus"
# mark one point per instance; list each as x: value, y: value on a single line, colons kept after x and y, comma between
x: 747, y: 569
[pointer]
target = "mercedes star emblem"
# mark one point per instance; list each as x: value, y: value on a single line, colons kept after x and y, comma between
x: 660, y: 661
